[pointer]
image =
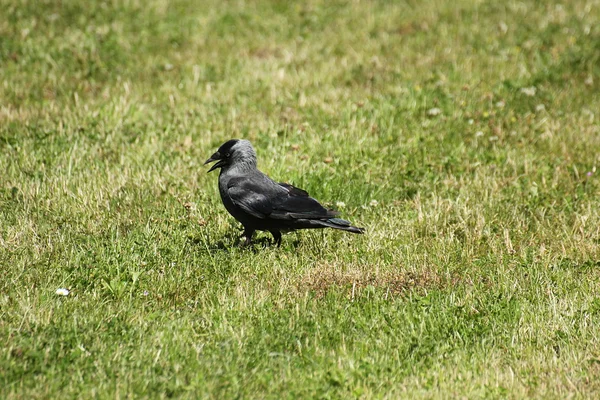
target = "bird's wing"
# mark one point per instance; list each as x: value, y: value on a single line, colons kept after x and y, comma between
x: 267, y: 199
x: 296, y: 203
x: 293, y: 190
x: 250, y: 196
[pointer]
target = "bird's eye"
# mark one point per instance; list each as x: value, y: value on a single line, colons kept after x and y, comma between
x: 227, y: 155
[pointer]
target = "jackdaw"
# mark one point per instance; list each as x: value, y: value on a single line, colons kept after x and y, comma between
x: 260, y: 203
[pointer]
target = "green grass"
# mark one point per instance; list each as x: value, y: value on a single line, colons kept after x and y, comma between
x: 479, y: 273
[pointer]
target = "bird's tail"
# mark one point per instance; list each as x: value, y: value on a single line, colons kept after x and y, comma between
x: 342, y: 224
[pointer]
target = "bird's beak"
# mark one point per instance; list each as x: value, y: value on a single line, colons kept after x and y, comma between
x: 215, y: 157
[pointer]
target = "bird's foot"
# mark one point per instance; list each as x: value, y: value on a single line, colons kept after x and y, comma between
x: 276, y: 238
x: 245, y: 241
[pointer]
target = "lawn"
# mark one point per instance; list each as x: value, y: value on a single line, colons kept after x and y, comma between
x: 463, y: 135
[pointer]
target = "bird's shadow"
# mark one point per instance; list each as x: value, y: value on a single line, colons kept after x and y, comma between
x: 234, y: 240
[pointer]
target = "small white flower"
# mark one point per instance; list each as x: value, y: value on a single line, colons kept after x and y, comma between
x: 540, y: 107
x: 374, y: 203
x: 340, y: 204
x: 478, y: 134
x: 470, y: 121
x: 500, y: 104
x: 432, y: 112
x: 529, y: 91
x: 62, y: 292
x: 503, y: 27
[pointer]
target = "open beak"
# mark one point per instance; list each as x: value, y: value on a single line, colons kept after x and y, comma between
x: 215, y: 157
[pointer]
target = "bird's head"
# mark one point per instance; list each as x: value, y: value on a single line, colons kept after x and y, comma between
x: 233, y: 153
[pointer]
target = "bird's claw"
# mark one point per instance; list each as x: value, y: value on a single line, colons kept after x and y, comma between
x: 245, y: 241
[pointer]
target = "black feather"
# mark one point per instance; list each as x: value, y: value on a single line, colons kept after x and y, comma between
x: 226, y: 147
x: 293, y: 190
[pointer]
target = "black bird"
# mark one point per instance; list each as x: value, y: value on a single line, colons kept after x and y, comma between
x: 262, y: 204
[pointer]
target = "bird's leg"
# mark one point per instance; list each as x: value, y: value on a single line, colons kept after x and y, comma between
x: 276, y: 237
x: 247, y: 235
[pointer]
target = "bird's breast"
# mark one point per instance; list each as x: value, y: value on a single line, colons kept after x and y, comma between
x: 235, y: 211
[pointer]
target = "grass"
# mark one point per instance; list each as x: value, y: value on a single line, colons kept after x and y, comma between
x: 473, y: 124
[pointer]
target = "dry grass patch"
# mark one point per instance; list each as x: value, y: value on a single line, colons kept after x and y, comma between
x: 354, y: 280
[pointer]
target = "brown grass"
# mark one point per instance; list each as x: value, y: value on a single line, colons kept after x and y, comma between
x: 397, y: 282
